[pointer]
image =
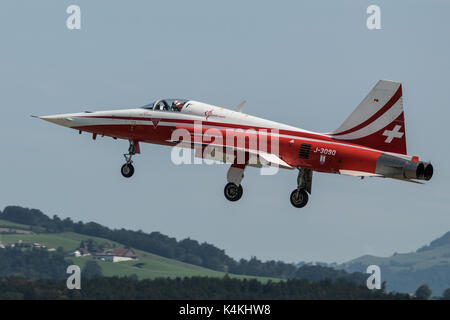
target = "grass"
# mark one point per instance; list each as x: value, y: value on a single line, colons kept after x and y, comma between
x: 49, y: 239
x: 154, y: 266
x: 5, y: 223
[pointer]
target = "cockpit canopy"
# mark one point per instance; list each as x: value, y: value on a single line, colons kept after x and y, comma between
x: 166, y: 105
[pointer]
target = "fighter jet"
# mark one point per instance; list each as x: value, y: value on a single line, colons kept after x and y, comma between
x: 371, y: 142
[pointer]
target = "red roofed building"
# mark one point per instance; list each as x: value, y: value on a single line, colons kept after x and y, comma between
x: 117, y: 255
x: 129, y: 253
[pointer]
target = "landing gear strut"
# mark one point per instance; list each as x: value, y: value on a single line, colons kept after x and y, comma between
x: 127, y: 169
x: 299, y: 197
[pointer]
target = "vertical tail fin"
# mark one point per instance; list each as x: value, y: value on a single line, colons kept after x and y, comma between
x: 378, y: 121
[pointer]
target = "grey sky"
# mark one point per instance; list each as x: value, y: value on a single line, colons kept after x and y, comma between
x: 307, y: 64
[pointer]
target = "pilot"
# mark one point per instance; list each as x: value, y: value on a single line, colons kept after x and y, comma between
x: 176, y: 105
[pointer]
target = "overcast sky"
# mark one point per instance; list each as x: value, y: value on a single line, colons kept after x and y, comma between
x: 304, y: 63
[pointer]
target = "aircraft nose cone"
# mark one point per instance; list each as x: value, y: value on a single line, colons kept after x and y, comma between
x: 60, y: 119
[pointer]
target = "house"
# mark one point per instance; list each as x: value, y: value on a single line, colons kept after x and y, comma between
x: 81, y: 252
x: 116, y: 255
x: 105, y: 245
x: 124, y: 252
x: 84, y: 252
x: 111, y: 258
x: 75, y: 254
x: 37, y: 245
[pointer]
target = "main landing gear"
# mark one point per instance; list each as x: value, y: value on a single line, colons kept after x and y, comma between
x: 299, y: 197
x: 127, y: 169
x: 233, y: 190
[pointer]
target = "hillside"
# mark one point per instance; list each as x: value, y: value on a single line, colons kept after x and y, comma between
x: 150, y: 265
x: 186, y: 251
x: 404, y: 272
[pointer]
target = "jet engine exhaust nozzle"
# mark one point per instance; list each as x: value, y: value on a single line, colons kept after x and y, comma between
x: 414, y: 170
x: 428, y: 173
x: 399, y: 168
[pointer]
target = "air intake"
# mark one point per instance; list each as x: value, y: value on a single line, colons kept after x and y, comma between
x: 304, y: 151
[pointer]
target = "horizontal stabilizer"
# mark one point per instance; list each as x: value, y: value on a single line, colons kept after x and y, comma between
x: 409, y: 180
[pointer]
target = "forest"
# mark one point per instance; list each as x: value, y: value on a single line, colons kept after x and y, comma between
x: 116, y: 288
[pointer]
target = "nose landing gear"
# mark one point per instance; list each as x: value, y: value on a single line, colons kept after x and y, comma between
x: 127, y: 169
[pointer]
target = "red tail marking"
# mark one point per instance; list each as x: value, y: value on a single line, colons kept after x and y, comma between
x: 380, y: 112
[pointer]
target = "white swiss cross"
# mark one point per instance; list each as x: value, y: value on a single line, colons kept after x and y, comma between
x: 394, y: 133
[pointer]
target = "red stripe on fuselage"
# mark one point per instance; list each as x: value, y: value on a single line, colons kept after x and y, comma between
x: 300, y: 134
x: 296, y: 134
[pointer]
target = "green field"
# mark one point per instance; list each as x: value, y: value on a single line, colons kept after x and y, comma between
x: 154, y: 266
x: 5, y: 223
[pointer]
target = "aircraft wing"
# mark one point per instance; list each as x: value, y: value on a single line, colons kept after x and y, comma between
x: 274, y: 160
x: 226, y: 154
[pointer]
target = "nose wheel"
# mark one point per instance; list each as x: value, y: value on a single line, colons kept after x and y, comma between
x: 127, y: 169
x: 233, y: 192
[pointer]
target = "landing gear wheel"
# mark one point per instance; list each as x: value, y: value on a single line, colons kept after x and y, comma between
x: 127, y: 170
x: 299, y: 198
x: 233, y: 192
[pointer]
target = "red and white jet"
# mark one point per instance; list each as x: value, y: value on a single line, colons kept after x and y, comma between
x: 370, y: 143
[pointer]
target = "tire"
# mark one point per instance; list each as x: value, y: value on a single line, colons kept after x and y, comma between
x: 233, y: 192
x: 127, y: 170
x: 299, y: 198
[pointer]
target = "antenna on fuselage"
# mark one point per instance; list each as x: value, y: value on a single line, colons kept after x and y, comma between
x: 240, y: 107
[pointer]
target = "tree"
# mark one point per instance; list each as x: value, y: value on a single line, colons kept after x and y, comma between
x: 91, y: 270
x: 423, y: 292
x: 90, y: 245
x: 35, y: 263
x: 446, y: 294
x: 133, y: 277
